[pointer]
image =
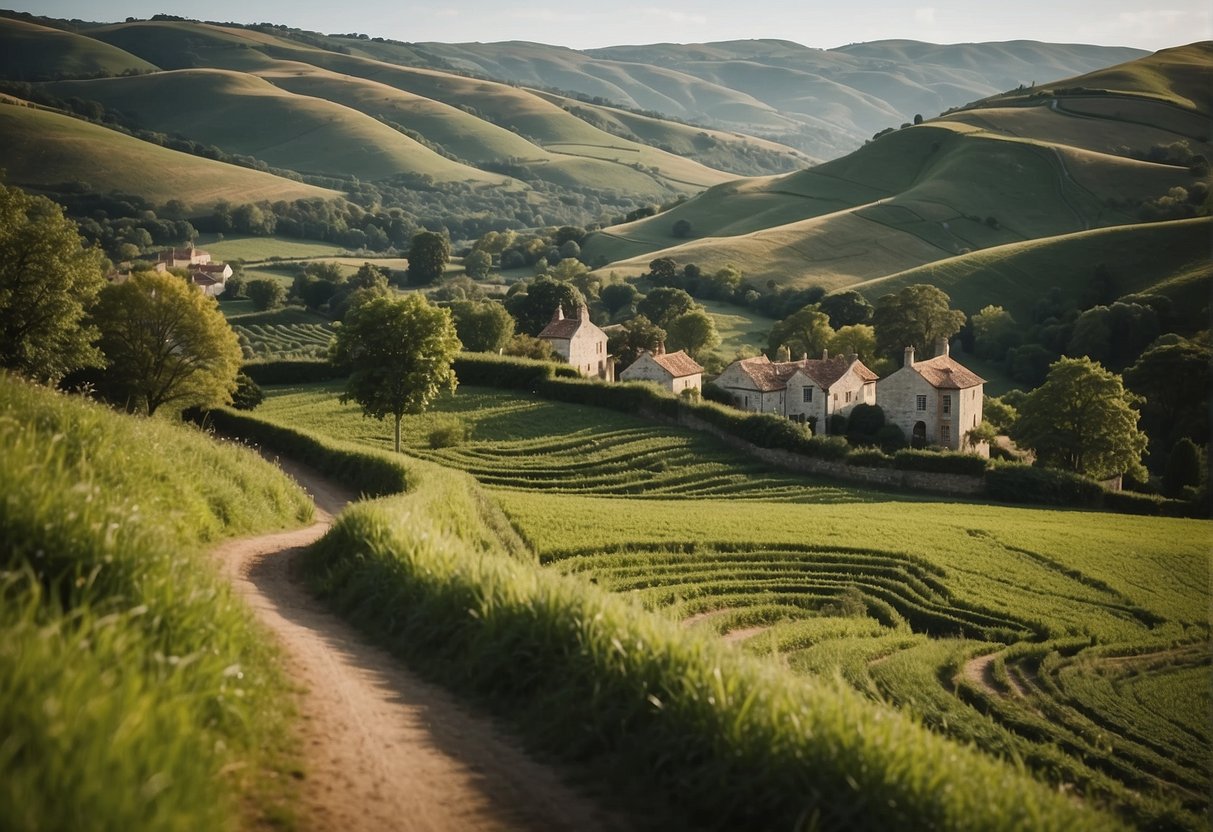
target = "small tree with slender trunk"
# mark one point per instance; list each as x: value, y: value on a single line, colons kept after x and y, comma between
x: 398, y: 351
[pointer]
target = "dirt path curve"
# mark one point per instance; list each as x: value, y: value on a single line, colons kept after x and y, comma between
x: 979, y: 671
x: 383, y: 749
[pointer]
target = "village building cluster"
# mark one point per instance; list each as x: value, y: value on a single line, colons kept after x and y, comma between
x: 936, y: 401
x: 210, y: 278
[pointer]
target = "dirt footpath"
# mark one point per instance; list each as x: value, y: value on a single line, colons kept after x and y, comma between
x: 383, y: 749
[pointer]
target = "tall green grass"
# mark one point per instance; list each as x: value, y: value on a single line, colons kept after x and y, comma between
x: 136, y: 691
x: 733, y: 741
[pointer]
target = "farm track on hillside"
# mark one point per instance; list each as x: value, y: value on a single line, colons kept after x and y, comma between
x: 381, y: 748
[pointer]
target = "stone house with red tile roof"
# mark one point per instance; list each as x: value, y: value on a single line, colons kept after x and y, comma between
x: 579, y: 342
x: 808, y: 390
x: 674, y: 371
x: 935, y: 402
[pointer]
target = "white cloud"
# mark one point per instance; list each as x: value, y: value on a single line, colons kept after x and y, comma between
x: 925, y: 15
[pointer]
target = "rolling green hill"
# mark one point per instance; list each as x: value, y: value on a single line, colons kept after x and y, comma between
x: 997, y: 177
x: 29, y: 52
x: 43, y: 149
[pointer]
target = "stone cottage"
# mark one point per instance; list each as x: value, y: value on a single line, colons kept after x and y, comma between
x: 934, y: 402
x: 811, y: 389
x: 579, y: 342
x: 674, y: 371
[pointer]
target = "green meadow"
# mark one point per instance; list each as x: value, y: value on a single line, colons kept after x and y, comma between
x: 1048, y: 637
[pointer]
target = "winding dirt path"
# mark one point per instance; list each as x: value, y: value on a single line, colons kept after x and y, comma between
x: 979, y: 671
x: 383, y: 749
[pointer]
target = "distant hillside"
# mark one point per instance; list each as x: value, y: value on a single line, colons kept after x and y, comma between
x: 1103, y: 151
x: 825, y: 102
x: 46, y: 150
x: 37, y: 53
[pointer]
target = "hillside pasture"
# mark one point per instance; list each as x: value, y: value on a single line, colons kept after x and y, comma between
x: 31, y: 52
x: 42, y: 149
x: 259, y: 249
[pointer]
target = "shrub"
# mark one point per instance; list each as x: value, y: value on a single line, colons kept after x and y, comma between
x: 864, y: 424
x: 1183, y: 468
x: 939, y: 462
x: 248, y: 393
x: 891, y: 438
x: 837, y: 424
x: 714, y: 393
x: 629, y: 397
x: 507, y: 372
x: 1016, y: 483
x: 449, y: 435
x: 869, y: 458
x: 291, y: 371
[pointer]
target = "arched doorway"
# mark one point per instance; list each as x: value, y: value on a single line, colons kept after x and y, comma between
x: 918, y: 439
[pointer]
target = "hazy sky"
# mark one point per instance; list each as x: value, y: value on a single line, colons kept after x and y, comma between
x: 588, y: 24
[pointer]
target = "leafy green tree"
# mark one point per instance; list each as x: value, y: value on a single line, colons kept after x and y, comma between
x: 722, y: 284
x: 618, y: 296
x: 248, y: 394
x: 428, y: 255
x: 663, y: 271
x: 1183, y: 468
x: 1174, y: 377
x: 637, y: 334
x: 805, y: 332
x: 914, y: 316
x: 477, y: 264
x: 859, y: 339
x: 528, y: 346
x: 994, y: 332
x: 846, y: 308
x: 1114, y: 335
x: 533, y: 308
x: 47, y: 280
x: 1082, y: 419
x: 482, y: 326
x: 694, y: 332
x: 165, y: 343
x: 368, y: 282
x: 664, y: 304
x: 682, y: 229
x: 1001, y: 415
x: 265, y: 293
x: 398, y: 352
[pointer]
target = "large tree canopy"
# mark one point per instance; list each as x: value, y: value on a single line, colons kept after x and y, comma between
x: 694, y: 332
x: 664, y: 304
x: 428, y: 255
x: 483, y: 326
x: 398, y: 352
x: 47, y: 280
x: 165, y: 343
x: 805, y: 332
x: 1175, y: 379
x: 1082, y: 419
x: 533, y: 308
x: 914, y: 316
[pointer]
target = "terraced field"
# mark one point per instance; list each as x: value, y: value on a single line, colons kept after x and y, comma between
x: 298, y: 340
x: 530, y: 444
x: 1074, y: 642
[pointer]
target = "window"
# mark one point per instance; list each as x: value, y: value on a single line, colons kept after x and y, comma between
x: 848, y: 397
x: 947, y: 405
x: 808, y: 394
x: 945, y: 434
x: 921, y: 402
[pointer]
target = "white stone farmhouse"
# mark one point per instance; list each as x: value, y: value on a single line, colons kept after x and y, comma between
x: 934, y: 402
x: 674, y: 371
x: 579, y: 342
x: 808, y: 389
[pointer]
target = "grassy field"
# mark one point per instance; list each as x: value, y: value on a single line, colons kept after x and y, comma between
x: 42, y: 149
x: 137, y: 691
x: 258, y: 249
x: 1077, y: 623
x: 686, y: 730
x: 738, y: 327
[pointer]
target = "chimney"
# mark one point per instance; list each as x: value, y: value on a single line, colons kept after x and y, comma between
x: 558, y: 315
x: 909, y: 359
x: 852, y: 357
x: 804, y: 356
x: 825, y: 355
x: 582, y: 312
x: 941, y: 345
x: 661, y: 347
x: 783, y: 353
